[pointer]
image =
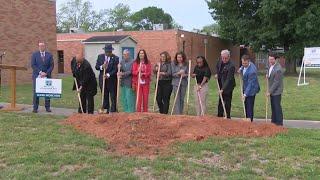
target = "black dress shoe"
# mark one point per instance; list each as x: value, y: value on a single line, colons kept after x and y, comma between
x: 48, y: 110
x: 35, y: 111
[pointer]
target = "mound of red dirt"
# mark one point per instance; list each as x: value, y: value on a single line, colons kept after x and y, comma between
x: 146, y: 134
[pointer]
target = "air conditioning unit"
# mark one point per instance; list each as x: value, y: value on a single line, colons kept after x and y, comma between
x: 158, y: 27
x: 76, y: 30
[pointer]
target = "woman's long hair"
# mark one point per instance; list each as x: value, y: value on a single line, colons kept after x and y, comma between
x: 168, y: 57
x: 205, y: 63
x: 184, y: 57
x: 146, y: 60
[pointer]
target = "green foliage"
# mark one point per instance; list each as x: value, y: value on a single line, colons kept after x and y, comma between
x: 290, y: 24
x: 79, y: 14
x: 147, y: 17
x: 119, y: 16
x: 211, y: 29
x: 176, y: 25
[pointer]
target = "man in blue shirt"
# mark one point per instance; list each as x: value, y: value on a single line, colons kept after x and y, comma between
x: 251, y: 85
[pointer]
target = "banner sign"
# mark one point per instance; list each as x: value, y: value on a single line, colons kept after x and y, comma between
x: 312, y: 57
x: 48, y: 87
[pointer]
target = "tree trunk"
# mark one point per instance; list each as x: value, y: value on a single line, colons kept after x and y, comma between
x: 290, y: 63
x: 291, y: 66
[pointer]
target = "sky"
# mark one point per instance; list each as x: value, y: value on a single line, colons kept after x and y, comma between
x: 188, y: 13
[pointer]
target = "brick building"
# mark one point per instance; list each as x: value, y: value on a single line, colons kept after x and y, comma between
x: 154, y: 42
x: 23, y: 23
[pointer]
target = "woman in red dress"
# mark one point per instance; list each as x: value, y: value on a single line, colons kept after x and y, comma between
x: 141, y: 66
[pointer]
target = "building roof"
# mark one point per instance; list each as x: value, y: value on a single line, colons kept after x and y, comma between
x: 107, y: 39
x: 68, y: 37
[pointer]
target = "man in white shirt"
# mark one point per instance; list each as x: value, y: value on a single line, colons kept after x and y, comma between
x: 275, y: 89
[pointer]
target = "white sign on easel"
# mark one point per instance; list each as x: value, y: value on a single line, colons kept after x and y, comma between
x: 311, y: 59
x: 48, y: 87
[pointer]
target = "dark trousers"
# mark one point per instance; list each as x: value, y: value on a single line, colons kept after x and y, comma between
x: 163, y: 96
x: 227, y: 97
x: 277, y: 116
x: 110, y: 92
x: 249, y: 104
x: 87, y: 101
x: 35, y: 100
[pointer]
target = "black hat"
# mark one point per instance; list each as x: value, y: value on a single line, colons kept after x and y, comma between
x: 108, y: 47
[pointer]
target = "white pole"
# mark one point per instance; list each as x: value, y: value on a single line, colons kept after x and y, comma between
x: 188, y: 88
x: 302, y: 65
x: 304, y: 73
x: 156, y: 90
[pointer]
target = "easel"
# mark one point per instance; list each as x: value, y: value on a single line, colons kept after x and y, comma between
x: 303, y: 66
x: 13, y: 83
x: 311, y: 60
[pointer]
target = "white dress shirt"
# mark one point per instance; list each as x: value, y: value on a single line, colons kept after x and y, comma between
x: 107, y: 59
x: 43, y: 54
x: 270, y: 69
x: 245, y: 69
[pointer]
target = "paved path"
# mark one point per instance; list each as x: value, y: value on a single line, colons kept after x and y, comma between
x: 305, y: 124
x: 42, y: 110
x: 67, y: 112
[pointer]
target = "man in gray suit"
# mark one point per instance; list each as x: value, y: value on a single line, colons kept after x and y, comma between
x: 275, y: 89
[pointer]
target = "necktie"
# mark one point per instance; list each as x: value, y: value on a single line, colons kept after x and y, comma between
x: 107, y: 59
x: 42, y: 56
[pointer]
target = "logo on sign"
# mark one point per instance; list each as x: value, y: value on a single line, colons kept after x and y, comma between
x: 48, y: 83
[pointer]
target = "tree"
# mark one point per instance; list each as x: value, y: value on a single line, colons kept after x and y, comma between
x: 79, y: 14
x: 119, y: 16
x: 176, y: 25
x: 289, y: 24
x: 147, y: 17
x: 211, y: 29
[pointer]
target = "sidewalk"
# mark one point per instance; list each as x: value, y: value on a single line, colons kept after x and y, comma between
x: 42, y: 111
x: 305, y: 124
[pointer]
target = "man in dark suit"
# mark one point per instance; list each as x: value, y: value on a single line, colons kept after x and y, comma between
x: 275, y: 78
x: 42, y: 65
x: 87, y: 83
x: 225, y: 70
x: 109, y: 62
x: 251, y: 85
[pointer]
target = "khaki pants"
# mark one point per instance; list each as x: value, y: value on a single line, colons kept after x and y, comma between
x: 203, y: 97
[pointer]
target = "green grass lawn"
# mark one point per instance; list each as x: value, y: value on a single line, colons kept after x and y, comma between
x: 38, y: 147
x: 298, y: 102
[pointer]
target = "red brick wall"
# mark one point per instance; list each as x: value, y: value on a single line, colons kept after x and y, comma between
x: 194, y: 46
x: 155, y: 42
x: 22, y: 24
x: 70, y: 49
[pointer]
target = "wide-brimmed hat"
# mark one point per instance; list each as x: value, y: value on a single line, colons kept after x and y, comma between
x: 108, y: 47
